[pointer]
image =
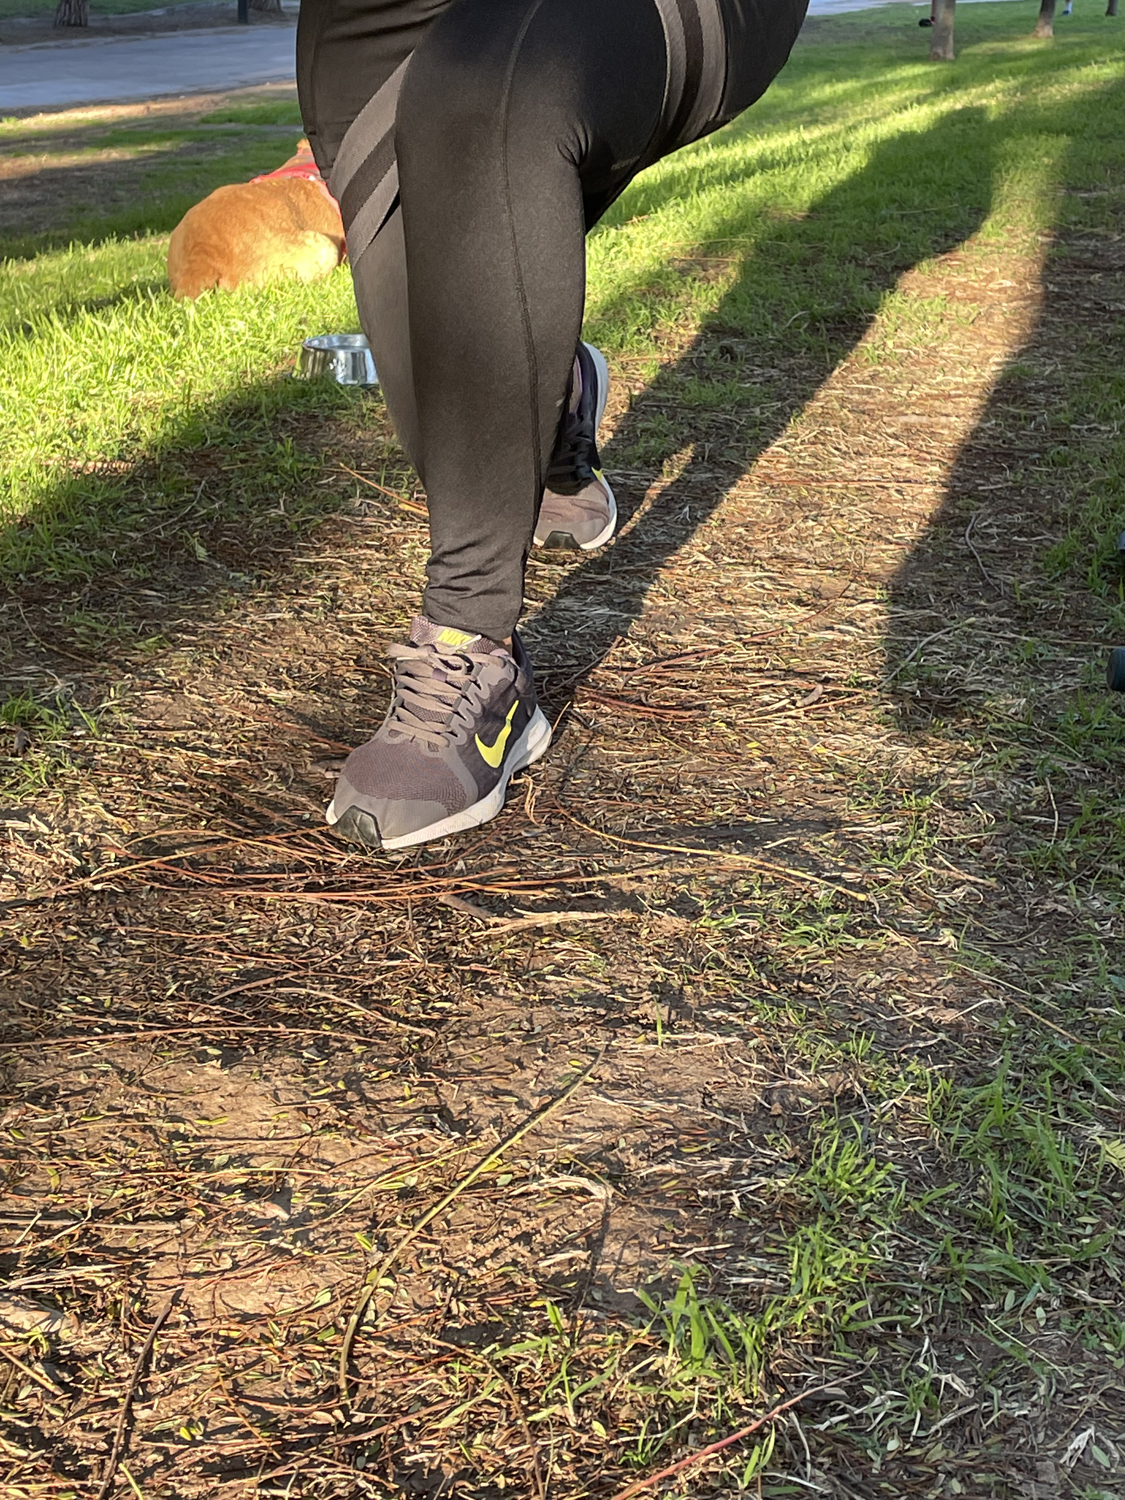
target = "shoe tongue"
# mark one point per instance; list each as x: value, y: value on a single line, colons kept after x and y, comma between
x: 424, y: 632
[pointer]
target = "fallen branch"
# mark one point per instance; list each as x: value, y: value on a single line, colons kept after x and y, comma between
x: 642, y: 710
x: 466, y: 908
x: 214, y: 1028
x: 419, y: 510
x: 557, y: 918
x: 48, y: 1385
x: 131, y: 1390
x: 783, y: 872
x: 814, y: 481
x: 735, y: 1437
x: 375, y: 1276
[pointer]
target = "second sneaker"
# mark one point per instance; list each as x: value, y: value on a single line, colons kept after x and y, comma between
x: 579, y: 510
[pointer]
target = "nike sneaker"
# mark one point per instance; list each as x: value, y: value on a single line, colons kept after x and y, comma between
x: 578, y: 509
x: 463, y: 720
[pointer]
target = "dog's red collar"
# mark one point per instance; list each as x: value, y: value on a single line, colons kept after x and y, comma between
x: 307, y: 169
x: 293, y: 169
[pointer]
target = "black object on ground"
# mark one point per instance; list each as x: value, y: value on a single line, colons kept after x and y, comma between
x: 1115, y: 670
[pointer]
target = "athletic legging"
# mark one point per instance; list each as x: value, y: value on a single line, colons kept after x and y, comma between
x: 518, y: 123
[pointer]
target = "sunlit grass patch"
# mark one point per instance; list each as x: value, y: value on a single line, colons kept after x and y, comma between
x: 283, y: 112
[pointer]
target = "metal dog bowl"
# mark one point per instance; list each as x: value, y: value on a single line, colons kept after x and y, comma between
x: 343, y: 357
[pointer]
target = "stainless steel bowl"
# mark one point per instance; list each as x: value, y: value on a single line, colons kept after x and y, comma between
x: 343, y: 357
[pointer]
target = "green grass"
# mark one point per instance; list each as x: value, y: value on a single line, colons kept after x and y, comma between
x: 166, y: 168
x: 861, y: 161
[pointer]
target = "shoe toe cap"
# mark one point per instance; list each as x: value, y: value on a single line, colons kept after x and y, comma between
x: 374, y: 821
x: 356, y: 827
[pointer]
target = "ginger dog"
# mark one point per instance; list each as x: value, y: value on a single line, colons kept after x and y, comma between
x: 283, y: 224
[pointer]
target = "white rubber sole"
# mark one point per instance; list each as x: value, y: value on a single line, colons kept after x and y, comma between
x: 610, y: 527
x: 603, y: 381
x: 531, y: 744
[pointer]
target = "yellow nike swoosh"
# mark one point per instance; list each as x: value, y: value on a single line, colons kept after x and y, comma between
x: 493, y: 754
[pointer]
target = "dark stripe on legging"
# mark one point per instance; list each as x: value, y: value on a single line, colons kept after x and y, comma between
x: 367, y: 178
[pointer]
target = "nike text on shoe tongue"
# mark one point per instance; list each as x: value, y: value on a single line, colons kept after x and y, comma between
x: 424, y: 632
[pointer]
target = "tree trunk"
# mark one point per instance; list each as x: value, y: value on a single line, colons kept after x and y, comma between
x: 1045, y: 26
x: 1111, y: 8
x: 73, y: 13
x: 271, y: 6
x: 941, y: 36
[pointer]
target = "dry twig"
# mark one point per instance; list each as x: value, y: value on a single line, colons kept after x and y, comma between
x: 783, y: 872
x: 376, y: 1275
x: 513, y: 1397
x: 735, y: 1437
x: 48, y: 1385
x: 131, y: 1390
x: 419, y: 510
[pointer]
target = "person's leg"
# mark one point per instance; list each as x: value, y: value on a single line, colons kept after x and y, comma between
x: 515, y: 115
x: 346, y: 49
x: 518, y: 123
x: 382, y: 296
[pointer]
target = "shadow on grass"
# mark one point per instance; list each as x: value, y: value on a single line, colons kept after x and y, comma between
x: 1026, y: 534
x: 239, y: 475
x: 919, y: 196
x: 68, y: 310
x: 1025, y: 437
x: 1004, y: 610
x: 220, y: 504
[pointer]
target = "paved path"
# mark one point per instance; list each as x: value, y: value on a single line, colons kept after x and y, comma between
x: 93, y: 70
x: 57, y: 74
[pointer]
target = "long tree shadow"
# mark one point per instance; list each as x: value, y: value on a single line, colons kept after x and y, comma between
x: 1003, y: 610
x: 203, y: 517
x: 226, y: 495
x: 1026, y: 534
x: 754, y: 365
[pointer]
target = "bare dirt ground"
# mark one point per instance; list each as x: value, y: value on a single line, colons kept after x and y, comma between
x: 243, y: 1061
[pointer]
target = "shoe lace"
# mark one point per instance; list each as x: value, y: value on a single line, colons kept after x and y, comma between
x: 570, y: 468
x: 430, y: 687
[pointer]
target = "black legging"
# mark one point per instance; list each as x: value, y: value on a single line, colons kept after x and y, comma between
x: 518, y: 123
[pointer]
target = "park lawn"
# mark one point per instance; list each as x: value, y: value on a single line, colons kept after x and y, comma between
x: 824, y: 872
